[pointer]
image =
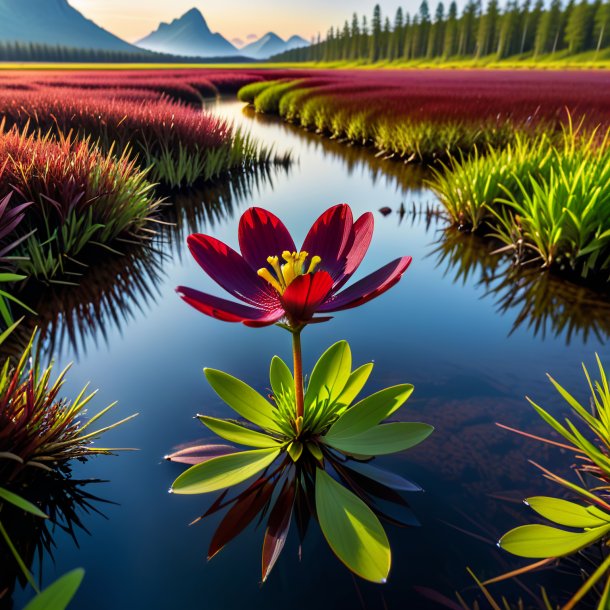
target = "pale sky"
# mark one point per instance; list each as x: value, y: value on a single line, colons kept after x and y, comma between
x: 133, y: 19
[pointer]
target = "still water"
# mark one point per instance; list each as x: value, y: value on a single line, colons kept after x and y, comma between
x: 472, y: 341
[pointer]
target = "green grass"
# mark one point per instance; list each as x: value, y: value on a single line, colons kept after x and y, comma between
x: 393, y: 135
x: 555, y: 61
x: 546, y: 200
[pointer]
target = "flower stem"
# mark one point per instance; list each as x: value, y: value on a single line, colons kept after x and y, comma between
x: 298, y: 375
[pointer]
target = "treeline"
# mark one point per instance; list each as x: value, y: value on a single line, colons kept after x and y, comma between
x: 516, y: 29
x: 33, y: 51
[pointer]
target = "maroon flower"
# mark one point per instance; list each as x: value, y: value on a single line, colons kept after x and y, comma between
x: 278, y: 283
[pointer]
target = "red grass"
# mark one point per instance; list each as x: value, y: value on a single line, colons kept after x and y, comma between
x: 432, y: 94
x: 472, y: 95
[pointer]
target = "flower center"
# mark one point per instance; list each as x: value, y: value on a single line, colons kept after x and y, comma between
x: 281, y: 276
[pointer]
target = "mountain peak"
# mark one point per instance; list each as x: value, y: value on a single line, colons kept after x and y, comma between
x: 193, y: 14
x: 271, y: 36
x: 188, y: 35
x: 54, y: 22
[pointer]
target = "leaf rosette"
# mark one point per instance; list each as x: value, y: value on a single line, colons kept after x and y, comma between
x: 317, y: 465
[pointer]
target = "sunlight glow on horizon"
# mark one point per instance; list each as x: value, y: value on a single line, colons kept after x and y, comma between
x: 234, y: 19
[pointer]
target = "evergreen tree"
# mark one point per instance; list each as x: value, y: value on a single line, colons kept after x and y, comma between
x: 424, y: 28
x: 487, y: 31
x: 435, y: 41
x: 579, y: 27
x: 375, y: 38
x: 466, y: 28
x: 547, y: 33
x: 396, y: 45
x: 354, y: 38
x: 364, y: 39
x: 406, y: 38
x: 386, y: 41
x: 345, y: 42
x: 601, y: 27
x: 451, y: 32
x: 508, y: 33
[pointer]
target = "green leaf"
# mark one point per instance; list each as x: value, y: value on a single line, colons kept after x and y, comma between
x: 243, y: 399
x: 19, y: 502
x: 11, y: 277
x: 380, y: 440
x: 352, y: 530
x: 295, y: 449
x: 542, y: 541
x: 567, y: 513
x: 330, y: 374
x: 223, y: 471
x: 238, y: 434
x: 355, y: 383
x: 59, y: 594
x: 280, y: 376
x: 370, y: 411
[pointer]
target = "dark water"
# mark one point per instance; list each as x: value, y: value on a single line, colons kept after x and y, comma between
x: 472, y: 341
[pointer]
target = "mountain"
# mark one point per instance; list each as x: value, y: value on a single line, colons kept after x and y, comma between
x: 296, y: 42
x: 271, y: 44
x: 188, y: 35
x: 54, y: 22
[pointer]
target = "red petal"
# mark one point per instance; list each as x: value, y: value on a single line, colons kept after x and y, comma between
x: 230, y: 270
x: 304, y: 295
x: 363, y: 233
x: 262, y: 234
x: 227, y: 311
x: 329, y: 236
x: 369, y: 287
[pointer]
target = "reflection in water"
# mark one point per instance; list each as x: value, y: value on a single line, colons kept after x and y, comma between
x: 380, y: 170
x: 195, y: 209
x: 65, y: 501
x: 538, y: 300
x: 109, y: 295
x: 112, y: 291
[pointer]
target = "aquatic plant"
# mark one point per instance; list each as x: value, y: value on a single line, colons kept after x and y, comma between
x: 39, y: 433
x: 545, y: 201
x: 38, y: 428
x: 588, y: 517
x: 323, y: 453
x: 177, y: 144
x: 79, y: 197
x: 58, y: 594
x: 10, y: 218
x: 311, y: 432
x: 423, y: 115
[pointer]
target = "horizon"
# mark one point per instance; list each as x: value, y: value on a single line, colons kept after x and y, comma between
x: 239, y: 23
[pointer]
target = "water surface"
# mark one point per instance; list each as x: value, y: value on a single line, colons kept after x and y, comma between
x: 471, y: 359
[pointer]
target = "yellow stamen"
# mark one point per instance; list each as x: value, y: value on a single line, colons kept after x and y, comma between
x: 315, y: 261
x: 283, y: 275
x: 274, y: 262
x: 266, y: 275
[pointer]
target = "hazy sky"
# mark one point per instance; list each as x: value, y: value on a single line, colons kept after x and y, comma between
x: 134, y: 19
